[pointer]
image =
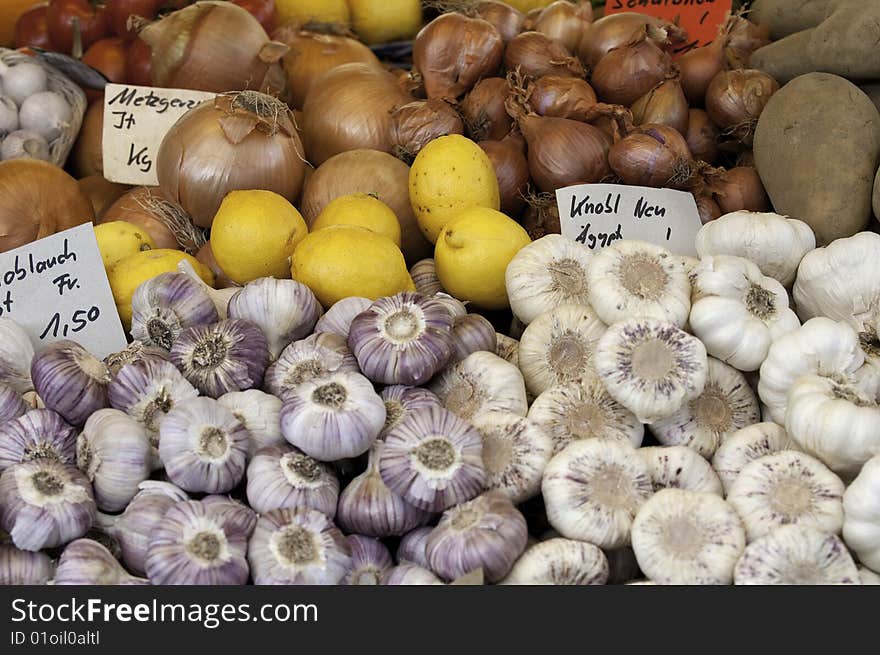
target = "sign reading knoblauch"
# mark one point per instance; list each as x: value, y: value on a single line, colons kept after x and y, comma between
x: 136, y: 119
x: 597, y: 215
x: 700, y: 18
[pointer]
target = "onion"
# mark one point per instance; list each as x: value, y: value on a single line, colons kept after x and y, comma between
x: 367, y: 171
x: 665, y: 104
x: 739, y: 189
x: 535, y: 54
x: 350, y: 108
x: 87, y: 157
x: 165, y: 222
x: 708, y: 208
x: 38, y: 199
x: 652, y: 155
x: 744, y: 36
x: 616, y: 30
x: 702, y: 136
x: 506, y: 19
x: 512, y: 171
x: 416, y: 123
x: 735, y: 100
x: 453, y: 52
x: 746, y: 158
x: 627, y: 73
x: 214, y: 46
x: 242, y: 140
x: 101, y: 192
x: 541, y: 217
x: 483, y: 110
x: 565, y: 22
x: 313, y: 53
x: 698, y: 67
x: 561, y: 97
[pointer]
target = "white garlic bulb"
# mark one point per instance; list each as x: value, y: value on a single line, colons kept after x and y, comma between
x: 680, y: 467
x: 747, y: 445
x: 282, y: 476
x: 861, y: 504
x: 259, y: 413
x: 16, y: 353
x: 479, y: 383
x: 560, y: 562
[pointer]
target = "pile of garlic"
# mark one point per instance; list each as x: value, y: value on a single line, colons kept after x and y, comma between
x: 660, y: 419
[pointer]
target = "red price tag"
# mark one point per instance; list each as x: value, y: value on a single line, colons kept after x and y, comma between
x: 701, y: 18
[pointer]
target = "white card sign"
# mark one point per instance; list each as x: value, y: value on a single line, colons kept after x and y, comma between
x: 597, y: 215
x: 136, y: 119
x: 56, y: 288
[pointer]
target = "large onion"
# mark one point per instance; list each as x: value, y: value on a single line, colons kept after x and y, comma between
x: 616, y: 30
x: 665, y: 104
x: 565, y: 22
x: 483, y: 110
x: 652, y: 155
x: 512, y: 171
x: 38, y: 199
x: 350, y: 108
x: 561, y: 97
x: 165, y: 222
x: 416, y: 123
x: 535, y: 54
x: 367, y: 171
x: 736, y: 98
x: 87, y: 157
x: 627, y: 73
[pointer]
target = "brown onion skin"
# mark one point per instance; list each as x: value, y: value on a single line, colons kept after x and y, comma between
x: 744, y: 36
x: 101, y: 192
x: 512, y: 171
x: 561, y: 97
x: 453, y: 52
x: 665, y: 104
x: 736, y: 98
x: 129, y: 208
x: 87, y: 157
x: 541, y: 219
x: 416, y: 123
x: 627, y: 73
x: 707, y: 207
x: 652, y: 155
x: 615, y: 30
x: 535, y: 55
x: 506, y: 19
x: 740, y: 188
x: 702, y: 136
x: 483, y: 110
x: 565, y: 22
x: 698, y: 67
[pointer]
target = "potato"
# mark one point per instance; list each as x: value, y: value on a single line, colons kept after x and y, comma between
x: 843, y: 44
x: 817, y: 145
x: 785, y: 17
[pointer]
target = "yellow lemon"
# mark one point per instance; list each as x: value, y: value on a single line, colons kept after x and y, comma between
x: 344, y: 260
x: 381, y: 21
x: 254, y: 233
x: 473, y: 252
x: 526, y: 6
x: 127, y: 274
x: 322, y: 11
x: 449, y: 175
x: 118, y: 239
x: 362, y: 210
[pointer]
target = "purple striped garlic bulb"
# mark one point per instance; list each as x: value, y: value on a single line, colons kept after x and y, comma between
x: 370, y: 559
x: 164, y: 306
x: 317, y: 356
x: 283, y: 476
x: 12, y: 405
x: 70, y: 380
x: 400, y: 400
x: 39, y: 433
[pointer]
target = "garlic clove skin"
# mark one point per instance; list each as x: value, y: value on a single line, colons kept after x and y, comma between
x: 16, y: 355
x: 868, y: 577
x: 487, y: 532
x: 410, y: 574
x: 133, y: 352
x: 238, y: 516
x: 471, y: 333
x: 433, y: 459
x: 370, y: 560
x: 231, y: 355
x: 334, y: 417
x: 402, y: 339
x: 861, y: 525
x: 479, y: 383
x: 454, y: 305
x: 680, y: 467
x: 284, y: 477
x: 559, y: 562
x: 747, y: 445
x: 198, y: 544
x: 164, y: 306
x: 220, y: 297
x: 337, y: 319
x: 259, y: 413
x: 507, y: 348
x: 400, y: 400
x: 316, y: 356
x: 44, y: 504
x: 86, y: 562
x: 549, y: 272
x: 203, y: 447
x: 285, y: 310
x: 12, y: 404
x: 412, y: 547
x: 70, y: 380
x: 39, y: 433
x: 298, y: 546
x: 424, y: 276
x: 22, y: 567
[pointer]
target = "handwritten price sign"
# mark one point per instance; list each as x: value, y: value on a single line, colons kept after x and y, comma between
x: 701, y: 18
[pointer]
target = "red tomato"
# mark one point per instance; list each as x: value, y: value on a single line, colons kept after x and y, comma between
x: 138, y: 68
x: 62, y: 14
x: 32, y: 29
x: 118, y: 12
x: 263, y: 11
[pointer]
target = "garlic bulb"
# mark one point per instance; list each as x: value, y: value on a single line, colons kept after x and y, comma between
x: 162, y: 307
x: 747, y: 445
x: 726, y: 404
x: 861, y: 504
x: 454, y: 305
x: 198, y: 544
x: 40, y: 433
x: 560, y: 562
x: 402, y: 339
x: 487, y: 532
x: 557, y: 347
x: 133, y: 352
x: 592, y: 490
x: 584, y: 411
x: 242, y: 517
x: 44, y: 504
x: 370, y: 560
x: 337, y: 319
x: 471, y: 333
x: 680, y: 467
x: 285, y: 310
x: 113, y: 451
x: 367, y: 506
x: 12, y: 405
x: 231, y: 355
x: 132, y: 528
x: 433, y: 459
x: 22, y: 567
x: 408, y: 573
x: 87, y: 562
x: 314, y: 357
x: 298, y: 546
x: 400, y: 400
x: 868, y: 577
x: 70, y: 380
x: 220, y: 297
x: 259, y: 413
x: 776, y: 244
x: 631, y: 279
x: 412, y: 547
x: 282, y: 476
x: 334, y: 417
x: 515, y: 453
x: 479, y: 383
x: 737, y: 311
x: 16, y: 354
x: 651, y: 367
x: 203, y: 446
x: 424, y: 276
x: 549, y: 272
x: 507, y: 348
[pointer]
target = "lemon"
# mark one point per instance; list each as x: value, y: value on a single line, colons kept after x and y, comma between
x: 127, y: 274
x: 118, y: 239
x: 321, y: 11
x: 526, y: 6
x: 254, y: 234
x: 381, y: 21
x: 450, y: 174
x: 473, y: 252
x: 344, y: 260
x: 362, y: 210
